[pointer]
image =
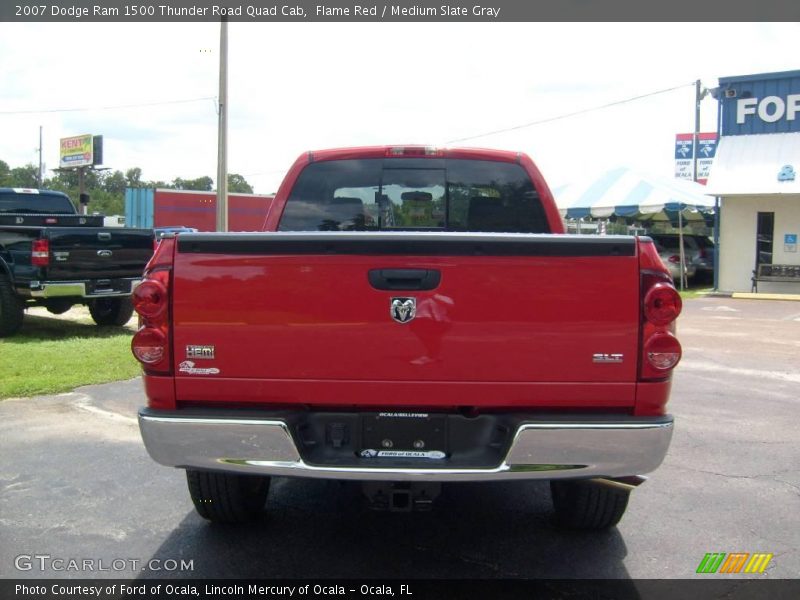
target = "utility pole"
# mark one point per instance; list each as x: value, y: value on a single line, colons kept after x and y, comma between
x: 40, y: 178
x: 698, y: 97
x: 222, y: 136
x: 83, y: 197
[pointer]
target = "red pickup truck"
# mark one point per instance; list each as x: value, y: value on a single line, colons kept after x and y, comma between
x: 411, y: 316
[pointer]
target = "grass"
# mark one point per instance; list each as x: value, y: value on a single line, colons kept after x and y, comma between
x: 53, y: 354
x: 695, y: 293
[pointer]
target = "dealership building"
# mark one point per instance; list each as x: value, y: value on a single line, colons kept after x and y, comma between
x: 756, y: 175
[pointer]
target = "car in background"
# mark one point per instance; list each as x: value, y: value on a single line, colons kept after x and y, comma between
x: 671, y: 258
x: 698, y: 250
x: 704, y: 261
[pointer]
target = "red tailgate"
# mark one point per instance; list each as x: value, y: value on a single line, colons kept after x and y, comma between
x: 295, y: 326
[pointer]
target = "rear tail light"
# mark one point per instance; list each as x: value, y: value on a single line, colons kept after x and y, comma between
x: 150, y: 298
x: 674, y: 258
x: 662, y: 351
x: 40, y: 253
x: 151, y: 344
x: 661, y: 305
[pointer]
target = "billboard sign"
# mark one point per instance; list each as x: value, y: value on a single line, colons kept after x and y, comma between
x: 684, y: 155
x: 75, y: 151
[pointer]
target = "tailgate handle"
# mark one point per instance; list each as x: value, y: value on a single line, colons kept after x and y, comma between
x: 104, y: 236
x: 404, y: 279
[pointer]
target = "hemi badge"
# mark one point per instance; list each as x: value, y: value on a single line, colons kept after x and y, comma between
x: 206, y: 352
x: 607, y: 358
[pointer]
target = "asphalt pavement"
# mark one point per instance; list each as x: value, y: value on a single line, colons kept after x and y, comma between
x: 77, y: 485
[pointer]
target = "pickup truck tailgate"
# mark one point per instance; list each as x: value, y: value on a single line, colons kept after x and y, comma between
x: 515, y: 319
x: 97, y: 253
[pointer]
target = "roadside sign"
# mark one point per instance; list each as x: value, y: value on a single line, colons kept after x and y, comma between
x: 706, y: 150
x: 790, y: 242
x: 684, y: 155
x: 75, y: 151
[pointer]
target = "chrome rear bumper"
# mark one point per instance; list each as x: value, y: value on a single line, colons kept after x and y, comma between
x: 83, y: 289
x: 540, y: 450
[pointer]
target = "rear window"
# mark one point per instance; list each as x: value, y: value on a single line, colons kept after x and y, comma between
x: 52, y: 204
x: 414, y: 194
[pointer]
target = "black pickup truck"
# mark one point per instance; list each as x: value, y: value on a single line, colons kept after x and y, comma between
x: 52, y: 256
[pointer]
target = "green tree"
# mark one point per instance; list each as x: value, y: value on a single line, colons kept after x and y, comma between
x: 159, y: 184
x: 201, y: 184
x: 237, y: 184
x: 27, y: 176
x: 104, y: 199
x: 5, y: 174
x: 63, y: 180
x: 134, y: 177
x: 92, y: 179
x: 115, y: 183
x: 106, y: 203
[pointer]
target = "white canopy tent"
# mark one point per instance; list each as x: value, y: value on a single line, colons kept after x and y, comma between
x: 623, y: 192
x: 627, y: 193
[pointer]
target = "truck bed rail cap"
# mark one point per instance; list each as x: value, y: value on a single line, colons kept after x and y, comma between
x: 417, y: 243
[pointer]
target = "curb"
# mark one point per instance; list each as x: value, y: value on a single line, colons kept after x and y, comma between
x: 749, y: 296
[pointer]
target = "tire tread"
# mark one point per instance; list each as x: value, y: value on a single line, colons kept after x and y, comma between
x: 588, y: 504
x: 227, y: 498
x: 117, y: 314
x: 12, y: 309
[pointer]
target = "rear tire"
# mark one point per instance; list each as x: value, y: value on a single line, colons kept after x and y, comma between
x: 12, y: 309
x: 111, y: 311
x: 227, y: 498
x: 588, y: 504
x: 58, y: 306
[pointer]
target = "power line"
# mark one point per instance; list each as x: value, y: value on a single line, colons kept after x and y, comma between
x: 57, y: 110
x: 572, y: 114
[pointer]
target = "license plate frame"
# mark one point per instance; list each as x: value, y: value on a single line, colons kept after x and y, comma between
x: 399, y: 434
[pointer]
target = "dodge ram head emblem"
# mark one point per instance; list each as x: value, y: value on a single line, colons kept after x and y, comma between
x: 403, y: 310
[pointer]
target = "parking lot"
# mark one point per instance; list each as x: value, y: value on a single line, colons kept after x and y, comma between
x: 76, y: 483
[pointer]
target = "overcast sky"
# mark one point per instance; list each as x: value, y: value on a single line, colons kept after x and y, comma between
x: 304, y: 86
